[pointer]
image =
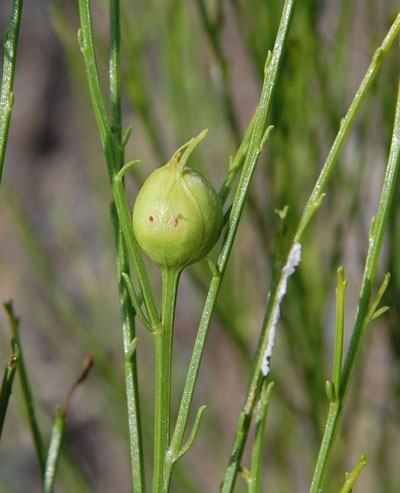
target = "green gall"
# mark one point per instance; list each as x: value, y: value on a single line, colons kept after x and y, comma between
x: 177, y: 216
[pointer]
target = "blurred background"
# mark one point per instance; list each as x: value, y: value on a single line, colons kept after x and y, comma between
x: 180, y: 75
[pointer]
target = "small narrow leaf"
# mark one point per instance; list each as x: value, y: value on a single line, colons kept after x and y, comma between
x: 126, y: 136
x: 374, y: 312
x: 266, y: 135
x: 193, y: 435
x: 379, y: 312
x: 135, y: 302
x: 125, y: 169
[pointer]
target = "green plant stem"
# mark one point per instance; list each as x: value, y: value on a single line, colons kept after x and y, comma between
x: 85, y: 37
x: 353, y: 476
x: 115, y: 72
x: 363, y: 316
x: 345, y: 126
x: 10, y: 44
x: 7, y: 383
x: 213, y: 31
x: 131, y: 383
x: 191, y: 378
x: 163, y: 342
x: 122, y: 261
x: 253, y: 153
x: 26, y: 390
x: 258, y: 447
x: 332, y: 422
x: 255, y: 147
x: 252, y: 393
x: 137, y: 90
x: 311, y: 207
x: 53, y: 456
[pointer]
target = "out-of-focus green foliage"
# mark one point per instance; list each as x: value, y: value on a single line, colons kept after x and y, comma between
x: 56, y: 250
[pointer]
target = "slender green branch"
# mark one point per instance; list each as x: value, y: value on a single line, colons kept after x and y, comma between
x: 26, y: 390
x: 279, y: 276
x: 362, y: 320
x: 257, y: 140
x: 53, y: 455
x: 163, y: 341
x: 271, y: 72
x: 213, y: 29
x: 258, y: 446
x: 6, y: 386
x: 112, y: 156
x: 122, y: 260
x: 191, y: 378
x: 332, y: 422
x: 144, y: 110
x: 254, y: 150
x: 131, y: 383
x: 10, y: 44
x: 115, y: 71
x: 261, y: 367
x: 345, y: 126
x: 353, y: 476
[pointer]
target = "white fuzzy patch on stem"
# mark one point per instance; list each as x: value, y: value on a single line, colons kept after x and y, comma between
x: 293, y: 261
